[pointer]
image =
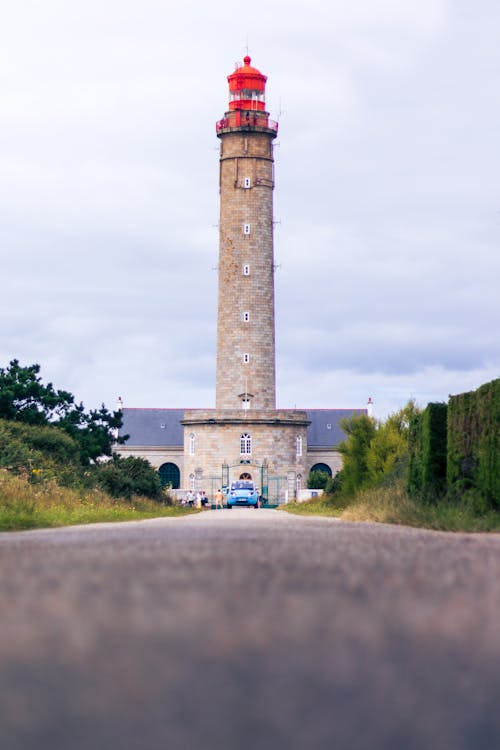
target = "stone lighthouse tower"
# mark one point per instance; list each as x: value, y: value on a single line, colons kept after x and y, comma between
x: 245, y: 436
x: 245, y: 333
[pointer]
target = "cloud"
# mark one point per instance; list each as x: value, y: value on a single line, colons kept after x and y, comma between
x: 386, y: 189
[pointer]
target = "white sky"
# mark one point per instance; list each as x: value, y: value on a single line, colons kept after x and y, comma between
x: 387, y: 191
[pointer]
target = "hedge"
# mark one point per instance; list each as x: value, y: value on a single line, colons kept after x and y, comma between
x: 474, y: 444
x: 427, y: 446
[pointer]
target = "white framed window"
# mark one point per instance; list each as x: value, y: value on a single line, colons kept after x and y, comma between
x: 192, y: 444
x: 246, y: 270
x: 246, y: 228
x: 298, y: 445
x: 246, y: 359
x: 246, y: 444
x: 246, y: 317
x: 246, y: 182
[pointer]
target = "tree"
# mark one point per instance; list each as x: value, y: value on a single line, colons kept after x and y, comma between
x: 95, y: 431
x: 360, y: 431
x: 390, y: 444
x: 317, y: 480
x: 24, y: 398
x: 373, y: 450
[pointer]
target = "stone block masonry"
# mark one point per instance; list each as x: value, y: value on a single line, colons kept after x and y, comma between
x: 213, y: 438
x: 246, y: 327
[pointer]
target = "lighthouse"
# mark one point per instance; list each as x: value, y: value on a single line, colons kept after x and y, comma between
x: 246, y: 436
x: 245, y: 322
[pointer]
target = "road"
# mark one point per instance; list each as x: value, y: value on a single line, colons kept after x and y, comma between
x: 249, y: 629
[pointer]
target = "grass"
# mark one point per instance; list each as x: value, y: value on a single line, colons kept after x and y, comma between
x: 29, y: 506
x: 318, y: 506
x: 393, y: 505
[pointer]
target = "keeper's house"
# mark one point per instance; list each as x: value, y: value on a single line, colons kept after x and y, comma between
x: 158, y: 436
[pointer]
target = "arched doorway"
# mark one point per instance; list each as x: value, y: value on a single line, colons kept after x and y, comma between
x: 170, y: 475
x: 245, y: 475
x: 322, y: 467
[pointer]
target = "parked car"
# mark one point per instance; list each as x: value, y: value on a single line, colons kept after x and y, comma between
x: 242, y: 492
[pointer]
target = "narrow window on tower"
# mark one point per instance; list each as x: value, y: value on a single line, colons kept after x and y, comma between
x: 298, y: 444
x: 246, y: 270
x: 246, y: 359
x: 246, y: 445
x: 246, y: 317
x: 246, y: 182
x: 192, y: 444
x: 246, y: 228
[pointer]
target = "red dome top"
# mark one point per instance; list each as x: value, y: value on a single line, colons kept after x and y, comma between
x: 245, y: 79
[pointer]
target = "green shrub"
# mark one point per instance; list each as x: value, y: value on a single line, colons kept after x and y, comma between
x: 317, y: 480
x: 124, y: 477
x: 360, y: 431
x: 36, y: 450
x: 334, y: 484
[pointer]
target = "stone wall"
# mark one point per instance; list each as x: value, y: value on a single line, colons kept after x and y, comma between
x: 328, y: 456
x: 213, y: 440
x: 156, y: 455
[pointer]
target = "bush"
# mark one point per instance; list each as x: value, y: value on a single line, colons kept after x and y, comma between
x: 334, y: 484
x: 317, y: 480
x: 26, y: 448
x: 124, y: 477
x: 360, y: 432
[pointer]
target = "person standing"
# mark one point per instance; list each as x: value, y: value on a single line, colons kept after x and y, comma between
x: 219, y: 499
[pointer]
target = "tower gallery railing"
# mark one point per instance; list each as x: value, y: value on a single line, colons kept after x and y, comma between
x: 246, y: 120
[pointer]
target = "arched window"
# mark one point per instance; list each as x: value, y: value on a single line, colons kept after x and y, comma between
x: 192, y: 481
x: 298, y: 444
x: 170, y: 475
x: 322, y: 467
x: 192, y: 444
x: 245, y: 444
x: 298, y: 483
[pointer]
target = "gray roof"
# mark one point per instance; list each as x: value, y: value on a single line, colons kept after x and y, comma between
x: 324, y: 430
x: 148, y: 427
x: 153, y: 427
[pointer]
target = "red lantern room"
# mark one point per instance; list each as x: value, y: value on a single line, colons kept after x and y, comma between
x: 247, y: 106
x: 247, y: 86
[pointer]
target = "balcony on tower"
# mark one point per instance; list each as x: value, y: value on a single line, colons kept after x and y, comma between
x: 247, y: 106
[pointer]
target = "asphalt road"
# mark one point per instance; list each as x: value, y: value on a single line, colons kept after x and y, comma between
x: 249, y: 629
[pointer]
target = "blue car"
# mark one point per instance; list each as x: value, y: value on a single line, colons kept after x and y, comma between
x: 242, y: 492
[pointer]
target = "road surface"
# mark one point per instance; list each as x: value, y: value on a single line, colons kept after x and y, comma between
x: 249, y: 629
